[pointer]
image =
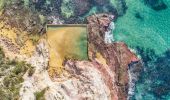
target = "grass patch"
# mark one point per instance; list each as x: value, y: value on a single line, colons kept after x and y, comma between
x: 34, y: 38
x: 40, y: 95
x: 12, y: 71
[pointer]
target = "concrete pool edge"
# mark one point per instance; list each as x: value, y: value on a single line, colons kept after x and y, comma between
x: 53, y: 66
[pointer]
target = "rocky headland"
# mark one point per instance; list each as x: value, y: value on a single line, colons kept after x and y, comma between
x: 104, y: 76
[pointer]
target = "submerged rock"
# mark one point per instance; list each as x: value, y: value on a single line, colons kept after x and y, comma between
x: 156, y: 4
x: 121, y: 7
x: 81, y: 7
x: 101, y: 2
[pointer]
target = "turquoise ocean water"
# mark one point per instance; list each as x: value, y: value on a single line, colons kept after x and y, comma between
x: 148, y: 31
x: 144, y: 27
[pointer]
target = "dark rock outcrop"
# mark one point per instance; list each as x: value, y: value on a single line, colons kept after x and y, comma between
x: 53, y: 6
x: 81, y: 7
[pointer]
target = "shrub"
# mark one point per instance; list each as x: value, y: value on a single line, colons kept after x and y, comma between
x: 31, y: 71
x: 20, y: 67
x: 40, y: 95
x: 2, y: 55
x: 34, y: 38
x: 13, y: 72
x: 67, y: 9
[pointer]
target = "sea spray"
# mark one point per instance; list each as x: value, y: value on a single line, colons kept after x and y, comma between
x: 108, y: 34
x: 134, y: 70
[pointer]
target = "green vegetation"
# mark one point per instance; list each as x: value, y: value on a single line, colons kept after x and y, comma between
x: 2, y: 2
x: 26, y: 3
x: 11, y: 73
x: 40, y: 95
x: 67, y: 9
x: 82, y: 44
x: 34, y: 38
x: 42, y: 19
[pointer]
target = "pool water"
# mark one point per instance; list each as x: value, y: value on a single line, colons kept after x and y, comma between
x: 66, y: 42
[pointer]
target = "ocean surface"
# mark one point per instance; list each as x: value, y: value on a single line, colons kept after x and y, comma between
x: 144, y: 27
x: 148, y: 32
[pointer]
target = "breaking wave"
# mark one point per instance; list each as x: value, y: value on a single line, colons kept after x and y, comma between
x: 134, y: 70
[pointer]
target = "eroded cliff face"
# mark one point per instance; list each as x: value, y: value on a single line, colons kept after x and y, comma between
x: 117, y: 56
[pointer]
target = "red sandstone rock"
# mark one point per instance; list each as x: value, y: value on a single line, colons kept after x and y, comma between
x: 104, y: 76
x: 117, y: 56
x: 111, y: 71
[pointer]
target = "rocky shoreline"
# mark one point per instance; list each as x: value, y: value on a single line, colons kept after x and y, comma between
x: 104, y: 77
x: 117, y: 54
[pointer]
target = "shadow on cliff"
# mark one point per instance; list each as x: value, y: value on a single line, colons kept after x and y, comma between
x: 154, y: 80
